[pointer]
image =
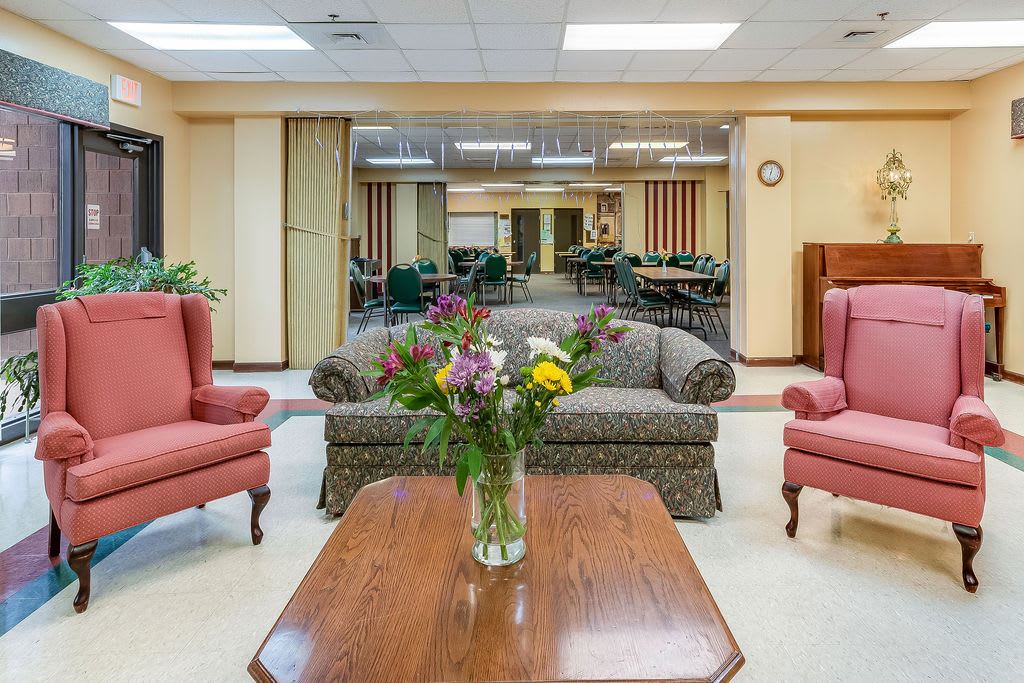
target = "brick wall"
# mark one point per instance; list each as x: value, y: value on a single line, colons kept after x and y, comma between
x: 108, y: 183
x: 28, y: 203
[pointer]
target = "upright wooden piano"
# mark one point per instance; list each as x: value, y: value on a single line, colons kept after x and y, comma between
x: 953, y: 266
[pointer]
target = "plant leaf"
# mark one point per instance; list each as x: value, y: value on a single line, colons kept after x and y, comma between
x: 433, y: 433
x: 416, y: 428
x: 442, y: 447
x: 461, y: 473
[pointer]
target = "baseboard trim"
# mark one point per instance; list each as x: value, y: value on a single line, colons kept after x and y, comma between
x: 1008, y: 375
x: 250, y: 367
x: 765, y: 361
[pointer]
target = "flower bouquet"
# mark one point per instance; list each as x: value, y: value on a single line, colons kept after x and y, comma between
x: 462, y: 378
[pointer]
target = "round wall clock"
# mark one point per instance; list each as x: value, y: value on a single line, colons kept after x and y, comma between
x: 770, y: 173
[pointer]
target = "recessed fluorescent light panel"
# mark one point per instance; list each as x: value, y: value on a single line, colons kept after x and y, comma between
x: 562, y: 161
x: 492, y: 145
x: 646, y: 36
x: 691, y: 160
x: 395, y: 161
x: 466, y: 189
x: 502, y: 184
x: 612, y: 189
x: 372, y: 128
x: 724, y: 126
x: 587, y: 184
x: 213, y: 36
x: 538, y: 188
x: 661, y: 144
x: 965, y: 34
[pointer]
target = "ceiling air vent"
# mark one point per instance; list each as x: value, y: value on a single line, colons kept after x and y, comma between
x: 338, y: 35
x: 860, y: 36
x: 350, y: 38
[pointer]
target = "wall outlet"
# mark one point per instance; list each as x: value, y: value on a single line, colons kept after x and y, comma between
x: 970, y: 238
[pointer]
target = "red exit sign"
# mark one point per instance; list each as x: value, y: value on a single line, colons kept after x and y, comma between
x: 125, y: 90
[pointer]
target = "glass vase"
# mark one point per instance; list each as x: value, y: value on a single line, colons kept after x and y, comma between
x: 499, y: 509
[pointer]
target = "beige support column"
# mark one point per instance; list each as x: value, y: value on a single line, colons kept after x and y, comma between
x: 259, y: 290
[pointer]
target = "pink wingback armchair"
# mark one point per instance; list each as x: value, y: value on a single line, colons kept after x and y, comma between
x: 132, y: 427
x: 899, y: 418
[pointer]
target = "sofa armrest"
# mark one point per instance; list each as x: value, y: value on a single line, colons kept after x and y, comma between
x: 60, y: 437
x: 228, y: 405
x: 826, y: 395
x: 972, y: 420
x: 336, y: 378
x: 691, y: 372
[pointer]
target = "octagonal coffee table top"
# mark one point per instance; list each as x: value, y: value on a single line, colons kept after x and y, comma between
x: 607, y: 591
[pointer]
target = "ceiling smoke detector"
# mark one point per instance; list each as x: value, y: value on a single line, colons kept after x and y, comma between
x: 860, y: 36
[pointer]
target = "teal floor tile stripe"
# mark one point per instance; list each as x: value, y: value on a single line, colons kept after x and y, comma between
x: 33, y: 596
x: 1009, y: 458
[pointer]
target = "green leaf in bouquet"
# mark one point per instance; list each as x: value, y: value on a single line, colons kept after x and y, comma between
x: 415, y: 401
x: 510, y: 440
x: 462, y: 473
x: 433, y: 433
x: 416, y: 428
x: 410, y: 335
x: 442, y: 448
x: 475, y: 457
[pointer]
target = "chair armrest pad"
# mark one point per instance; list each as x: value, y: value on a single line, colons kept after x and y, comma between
x: 691, y: 371
x: 973, y: 420
x: 825, y: 395
x: 60, y: 437
x: 227, y: 405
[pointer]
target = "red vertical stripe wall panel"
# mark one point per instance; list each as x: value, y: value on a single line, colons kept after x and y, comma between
x: 380, y: 222
x: 668, y: 223
x: 693, y: 217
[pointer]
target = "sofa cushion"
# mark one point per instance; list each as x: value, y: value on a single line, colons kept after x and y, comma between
x: 129, y: 460
x: 915, y: 448
x: 609, y: 414
x: 370, y: 422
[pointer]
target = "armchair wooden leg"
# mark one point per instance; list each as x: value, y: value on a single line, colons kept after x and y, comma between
x: 970, y: 543
x: 79, y: 557
x: 790, y: 491
x: 260, y: 496
x: 54, y: 536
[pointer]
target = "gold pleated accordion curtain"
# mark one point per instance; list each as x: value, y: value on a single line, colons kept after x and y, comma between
x: 432, y: 223
x: 317, y: 238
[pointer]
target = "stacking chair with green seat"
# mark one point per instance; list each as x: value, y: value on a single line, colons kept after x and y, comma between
x: 464, y: 286
x: 651, y: 257
x: 649, y: 302
x: 405, y: 288
x: 451, y: 264
x: 704, y: 306
x: 369, y: 306
x: 594, y: 272
x: 425, y: 266
x: 524, y: 279
x: 495, y: 268
x: 685, y: 260
x: 634, y: 259
x: 673, y: 261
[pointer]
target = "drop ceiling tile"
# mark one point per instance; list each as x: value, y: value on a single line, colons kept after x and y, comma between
x: 420, y: 11
x: 369, y: 60
x: 649, y: 60
x: 662, y: 76
x: 588, y: 76
x: 702, y: 10
x: 928, y: 75
x: 218, y: 60
x: 244, y: 75
x: 314, y: 76
x: 883, y: 33
x: 519, y: 36
x: 453, y: 76
x: 860, y: 74
x: 818, y: 59
x: 433, y: 36
x: 46, y: 9
x: 128, y: 10
x: 489, y: 11
x: 970, y: 58
x: 743, y: 60
x: 383, y: 76
x: 519, y: 60
x: 805, y: 10
x: 895, y: 58
x: 613, y: 11
x: 293, y: 60
x: 601, y: 60
x: 184, y: 75
x: 444, y: 60
x: 768, y: 34
x: 791, y: 75
x: 722, y: 76
x: 520, y: 76
x: 900, y: 10
x: 985, y: 9
x: 226, y: 11
x: 97, y: 34
x: 317, y: 10
x: 151, y: 60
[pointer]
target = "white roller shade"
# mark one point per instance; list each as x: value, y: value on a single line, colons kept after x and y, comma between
x: 471, y: 228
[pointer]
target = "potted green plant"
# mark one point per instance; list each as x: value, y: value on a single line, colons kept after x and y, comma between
x: 20, y: 375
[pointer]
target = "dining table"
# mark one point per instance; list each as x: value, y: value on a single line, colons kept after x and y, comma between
x: 432, y: 280
x: 663, y: 277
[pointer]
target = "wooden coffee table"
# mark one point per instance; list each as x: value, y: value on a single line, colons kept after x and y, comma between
x: 607, y: 591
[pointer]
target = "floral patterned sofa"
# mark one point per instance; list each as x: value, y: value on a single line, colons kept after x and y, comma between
x: 654, y: 422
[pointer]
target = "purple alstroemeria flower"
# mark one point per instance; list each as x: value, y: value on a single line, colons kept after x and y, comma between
x: 421, y: 352
x: 584, y: 325
x: 616, y: 337
x: 601, y: 310
x: 448, y: 306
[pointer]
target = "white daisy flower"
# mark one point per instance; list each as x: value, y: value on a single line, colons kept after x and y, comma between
x: 546, y: 347
x: 492, y: 342
x: 498, y: 359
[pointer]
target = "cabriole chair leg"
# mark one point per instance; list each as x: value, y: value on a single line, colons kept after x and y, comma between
x: 790, y: 491
x: 260, y: 496
x: 79, y: 557
x: 970, y: 543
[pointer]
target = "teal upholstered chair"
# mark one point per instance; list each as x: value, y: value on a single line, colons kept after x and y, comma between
x: 495, y: 269
x: 704, y: 306
x: 637, y: 299
x: 369, y: 306
x: 524, y: 279
x: 651, y: 257
x: 593, y: 273
x: 685, y: 260
x: 405, y: 288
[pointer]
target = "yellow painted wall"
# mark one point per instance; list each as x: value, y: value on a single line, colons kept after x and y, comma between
x: 156, y: 115
x: 633, y: 198
x: 834, y: 194
x: 212, y: 213
x: 715, y: 186
x: 986, y: 181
